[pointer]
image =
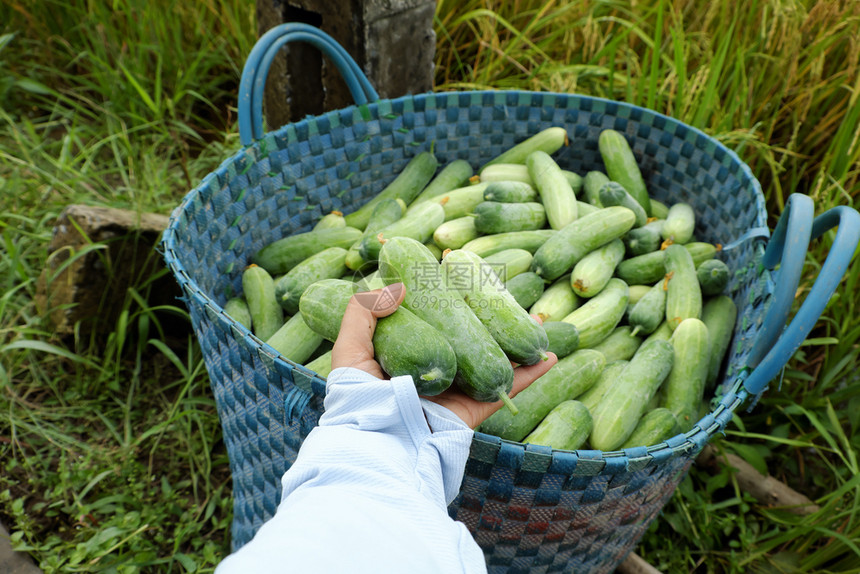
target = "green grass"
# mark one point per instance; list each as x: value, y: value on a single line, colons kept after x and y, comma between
x: 110, y: 446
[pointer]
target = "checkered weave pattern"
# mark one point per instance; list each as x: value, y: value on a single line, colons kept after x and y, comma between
x: 531, y: 509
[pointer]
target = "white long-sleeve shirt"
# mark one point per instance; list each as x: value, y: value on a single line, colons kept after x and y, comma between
x: 369, y: 489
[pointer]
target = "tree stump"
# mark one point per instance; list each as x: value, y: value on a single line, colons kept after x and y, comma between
x: 96, y: 254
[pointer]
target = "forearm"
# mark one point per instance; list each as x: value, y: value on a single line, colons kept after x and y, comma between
x: 374, y: 477
x: 379, y: 432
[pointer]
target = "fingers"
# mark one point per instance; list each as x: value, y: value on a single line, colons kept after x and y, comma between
x: 354, y: 344
x: 526, y: 375
x: 381, y: 302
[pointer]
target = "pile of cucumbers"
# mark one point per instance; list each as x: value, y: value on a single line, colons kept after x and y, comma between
x: 630, y: 302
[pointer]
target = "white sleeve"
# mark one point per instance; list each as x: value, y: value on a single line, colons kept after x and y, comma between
x: 370, y: 488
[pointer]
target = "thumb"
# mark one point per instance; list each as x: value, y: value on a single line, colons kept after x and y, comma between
x: 354, y: 344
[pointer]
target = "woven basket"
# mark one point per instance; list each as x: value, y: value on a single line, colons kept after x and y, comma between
x: 530, y: 508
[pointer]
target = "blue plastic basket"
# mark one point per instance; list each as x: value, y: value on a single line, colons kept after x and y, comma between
x: 530, y: 508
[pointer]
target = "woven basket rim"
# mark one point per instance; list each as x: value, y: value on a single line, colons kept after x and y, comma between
x: 683, y: 444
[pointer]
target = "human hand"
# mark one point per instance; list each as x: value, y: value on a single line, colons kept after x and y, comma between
x: 354, y: 344
x: 473, y: 412
x: 354, y: 348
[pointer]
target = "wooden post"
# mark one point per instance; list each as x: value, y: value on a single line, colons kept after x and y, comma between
x: 391, y: 40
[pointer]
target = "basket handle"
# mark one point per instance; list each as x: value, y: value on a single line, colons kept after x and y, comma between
x: 253, y: 82
x: 834, y: 267
x: 788, y: 247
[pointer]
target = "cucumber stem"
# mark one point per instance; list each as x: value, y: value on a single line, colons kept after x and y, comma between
x: 508, y: 402
x: 544, y: 356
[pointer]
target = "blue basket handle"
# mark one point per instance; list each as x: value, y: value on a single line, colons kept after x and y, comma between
x: 788, y: 247
x: 834, y: 267
x: 253, y: 82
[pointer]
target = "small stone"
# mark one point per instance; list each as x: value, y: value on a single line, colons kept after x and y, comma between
x: 12, y: 562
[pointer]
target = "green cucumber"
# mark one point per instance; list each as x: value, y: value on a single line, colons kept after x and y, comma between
x: 455, y: 233
x: 515, y: 173
x: 331, y: 220
x: 680, y: 224
x: 353, y: 260
x: 455, y: 174
x: 591, y: 183
x: 526, y: 288
x: 323, y: 348
x: 418, y: 223
x: 283, y: 254
x: 258, y: 288
x: 563, y: 338
x: 574, y: 180
x: 528, y: 240
x: 496, y: 217
x: 434, y: 249
x: 684, y: 388
x: 518, y: 173
x: 719, y: 315
x: 591, y: 274
x: 563, y: 250
x: 607, y: 379
x: 654, y: 427
x: 483, y: 370
x: 557, y: 302
x: 683, y: 294
x: 521, y: 337
x: 566, y: 380
x: 295, y: 340
x: 556, y: 194
x: 462, y: 201
x: 650, y: 311
x: 701, y: 251
x: 623, y: 405
x: 566, y: 427
x: 650, y: 267
x: 613, y: 193
x: 509, y: 263
x: 384, y: 214
x: 621, y: 166
x: 511, y: 172
x: 636, y: 293
x: 654, y: 403
x: 327, y: 264
x: 599, y: 316
x: 663, y: 333
x: 407, y: 185
x: 510, y: 192
x: 403, y: 344
x: 713, y: 276
x: 620, y: 345
x: 645, y: 239
x: 549, y: 141
x: 659, y: 209
x: 321, y: 366
x: 583, y: 208
x: 237, y: 308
